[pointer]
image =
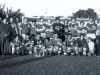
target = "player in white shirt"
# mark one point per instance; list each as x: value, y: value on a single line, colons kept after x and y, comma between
x: 91, y: 46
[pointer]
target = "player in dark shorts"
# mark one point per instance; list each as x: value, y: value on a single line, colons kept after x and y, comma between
x: 58, y: 28
x: 73, y: 27
x: 49, y: 30
x: 82, y: 29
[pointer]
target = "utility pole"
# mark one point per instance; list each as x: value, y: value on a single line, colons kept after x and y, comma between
x: 46, y: 12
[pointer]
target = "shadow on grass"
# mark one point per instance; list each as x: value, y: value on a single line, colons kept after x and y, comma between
x: 8, y: 57
x: 23, y: 62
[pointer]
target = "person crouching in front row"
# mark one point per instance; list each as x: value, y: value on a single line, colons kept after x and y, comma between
x: 68, y: 45
x: 39, y: 48
x: 48, y: 46
x: 16, y: 46
x: 82, y: 45
x: 25, y: 44
x: 57, y: 45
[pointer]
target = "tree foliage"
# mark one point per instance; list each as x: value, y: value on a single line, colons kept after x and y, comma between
x: 85, y: 13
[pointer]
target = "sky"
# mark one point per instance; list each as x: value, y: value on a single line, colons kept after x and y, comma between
x: 54, y: 7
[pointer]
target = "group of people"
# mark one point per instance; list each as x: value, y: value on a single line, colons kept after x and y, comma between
x: 48, y: 38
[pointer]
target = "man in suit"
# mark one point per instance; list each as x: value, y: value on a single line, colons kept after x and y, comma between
x: 5, y: 30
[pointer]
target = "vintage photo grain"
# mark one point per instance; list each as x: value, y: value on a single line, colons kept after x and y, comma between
x: 49, y: 37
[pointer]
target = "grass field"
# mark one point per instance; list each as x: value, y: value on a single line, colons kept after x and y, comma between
x: 55, y: 65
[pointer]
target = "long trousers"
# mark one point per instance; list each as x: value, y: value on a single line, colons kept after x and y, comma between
x: 4, y: 45
x: 98, y: 44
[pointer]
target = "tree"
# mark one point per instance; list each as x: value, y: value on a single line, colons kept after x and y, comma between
x: 85, y: 13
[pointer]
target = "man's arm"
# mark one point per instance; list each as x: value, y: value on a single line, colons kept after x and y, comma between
x: 79, y: 31
x: 9, y: 31
x: 53, y: 26
x: 86, y: 43
x: 3, y: 7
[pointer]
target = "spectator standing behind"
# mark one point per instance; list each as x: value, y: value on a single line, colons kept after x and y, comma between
x: 5, y: 31
x: 58, y: 28
x: 18, y: 26
x: 13, y: 32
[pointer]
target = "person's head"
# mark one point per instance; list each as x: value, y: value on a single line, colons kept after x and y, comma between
x: 25, y: 20
x: 57, y: 20
x: 29, y: 41
x: 32, y: 42
x: 82, y: 24
x: 26, y: 36
x: 5, y: 21
x: 41, y: 20
x: 49, y: 21
x: 65, y: 21
x: 32, y: 37
x: 82, y: 36
x: 16, y: 38
x: 7, y: 16
x: 96, y: 21
x: 38, y: 36
x: 40, y: 42
x: 69, y: 36
x: 91, y: 19
x: 90, y: 39
x: 33, y: 22
x: 17, y: 20
x: 47, y: 39
x: 73, y: 19
x: 11, y: 20
x: 55, y: 35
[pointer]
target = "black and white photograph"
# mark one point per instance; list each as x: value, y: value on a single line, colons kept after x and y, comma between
x: 49, y: 37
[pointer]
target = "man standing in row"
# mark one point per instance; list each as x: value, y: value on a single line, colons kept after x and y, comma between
x: 5, y: 31
x: 58, y: 28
